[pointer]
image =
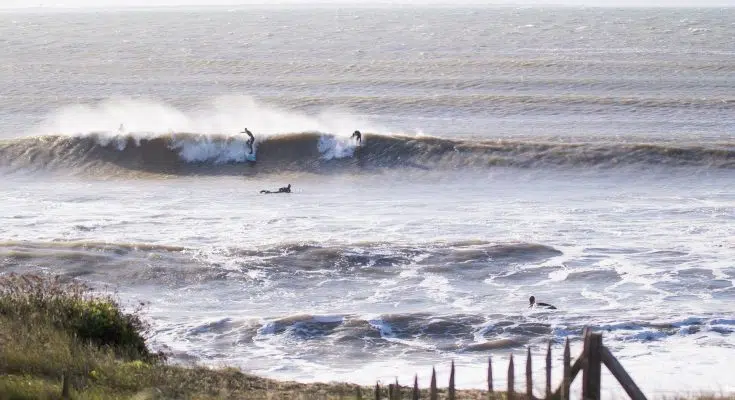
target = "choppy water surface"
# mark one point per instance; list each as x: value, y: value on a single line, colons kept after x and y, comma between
x: 582, y: 156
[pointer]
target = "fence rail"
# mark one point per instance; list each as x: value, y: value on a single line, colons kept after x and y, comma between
x: 590, y: 362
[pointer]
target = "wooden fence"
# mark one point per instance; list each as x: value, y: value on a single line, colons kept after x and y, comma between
x: 594, y: 354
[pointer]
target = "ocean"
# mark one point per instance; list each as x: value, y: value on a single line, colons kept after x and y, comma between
x: 585, y: 156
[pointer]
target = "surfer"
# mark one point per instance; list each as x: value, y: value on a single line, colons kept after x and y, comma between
x: 532, y: 301
x: 251, y: 140
x: 285, y: 189
x: 358, y: 137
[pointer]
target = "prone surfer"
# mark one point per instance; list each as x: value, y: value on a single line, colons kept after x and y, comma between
x: 251, y: 140
x: 532, y: 301
x: 285, y: 189
x: 358, y: 137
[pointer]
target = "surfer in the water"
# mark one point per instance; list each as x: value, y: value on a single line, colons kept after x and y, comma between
x: 285, y: 189
x: 358, y: 137
x: 532, y: 301
x: 251, y: 140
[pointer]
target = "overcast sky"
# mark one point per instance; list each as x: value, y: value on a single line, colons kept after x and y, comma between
x: 6, y: 4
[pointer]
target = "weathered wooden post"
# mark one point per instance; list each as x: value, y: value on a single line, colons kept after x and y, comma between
x: 511, y: 383
x: 489, y: 375
x: 529, y: 375
x: 451, y: 382
x: 391, y: 389
x: 416, y: 394
x: 567, y: 380
x: 619, y: 373
x: 358, y: 393
x: 432, y: 390
x: 377, y: 390
x: 548, y: 371
x: 65, y: 385
x: 592, y: 368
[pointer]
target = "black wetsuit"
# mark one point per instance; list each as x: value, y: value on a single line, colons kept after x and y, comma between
x: 285, y: 189
x: 357, y: 135
x: 251, y: 140
x: 532, y: 301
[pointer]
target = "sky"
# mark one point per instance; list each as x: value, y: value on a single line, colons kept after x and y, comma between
x: 15, y: 4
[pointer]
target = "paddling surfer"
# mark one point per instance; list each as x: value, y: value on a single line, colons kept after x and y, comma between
x: 285, y: 189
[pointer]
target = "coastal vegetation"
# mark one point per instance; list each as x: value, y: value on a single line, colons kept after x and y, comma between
x: 60, y: 339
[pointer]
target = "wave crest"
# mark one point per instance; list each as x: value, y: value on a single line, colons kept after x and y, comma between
x: 186, y: 153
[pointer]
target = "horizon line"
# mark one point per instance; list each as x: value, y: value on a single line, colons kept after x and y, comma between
x: 346, y: 4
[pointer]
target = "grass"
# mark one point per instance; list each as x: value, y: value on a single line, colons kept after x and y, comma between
x: 53, y: 331
x: 50, y: 328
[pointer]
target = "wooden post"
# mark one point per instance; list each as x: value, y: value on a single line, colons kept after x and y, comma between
x: 415, y: 395
x: 358, y: 393
x: 397, y: 390
x: 567, y: 380
x: 511, y: 377
x: 619, y: 373
x: 377, y: 390
x: 490, y: 374
x: 529, y: 375
x: 548, y: 371
x: 451, y: 382
x: 65, y: 385
x: 391, y: 396
x: 432, y: 390
x: 592, y: 368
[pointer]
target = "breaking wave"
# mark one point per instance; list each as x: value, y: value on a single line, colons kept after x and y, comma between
x: 191, y: 154
x: 442, y: 332
x: 190, y: 264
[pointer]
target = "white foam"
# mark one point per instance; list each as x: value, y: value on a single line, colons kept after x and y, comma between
x: 332, y: 147
x: 220, y: 115
x: 207, y: 148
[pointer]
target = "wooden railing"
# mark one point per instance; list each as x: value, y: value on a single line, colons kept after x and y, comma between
x: 590, y: 362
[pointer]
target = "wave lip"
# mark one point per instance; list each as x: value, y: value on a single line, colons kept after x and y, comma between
x: 189, y: 153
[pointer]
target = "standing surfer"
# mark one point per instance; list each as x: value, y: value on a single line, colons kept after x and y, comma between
x: 358, y: 137
x: 251, y: 140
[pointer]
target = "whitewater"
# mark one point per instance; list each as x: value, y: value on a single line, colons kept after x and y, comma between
x: 583, y: 156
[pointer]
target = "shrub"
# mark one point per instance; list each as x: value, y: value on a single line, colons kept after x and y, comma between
x: 71, y: 306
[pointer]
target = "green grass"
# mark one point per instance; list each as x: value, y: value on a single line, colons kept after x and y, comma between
x: 50, y: 329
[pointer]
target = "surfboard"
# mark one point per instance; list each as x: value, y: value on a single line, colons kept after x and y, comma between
x: 250, y: 157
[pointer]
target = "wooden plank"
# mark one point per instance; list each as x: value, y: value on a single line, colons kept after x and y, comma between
x: 592, y: 367
x: 619, y: 373
x: 573, y: 372
x: 511, y: 378
x: 416, y: 394
x: 433, y: 395
x: 529, y: 375
x: 490, y: 374
x: 548, y: 371
x: 567, y: 379
x: 451, y: 382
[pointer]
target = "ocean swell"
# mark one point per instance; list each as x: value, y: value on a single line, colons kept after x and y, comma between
x: 193, y: 154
